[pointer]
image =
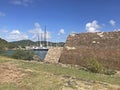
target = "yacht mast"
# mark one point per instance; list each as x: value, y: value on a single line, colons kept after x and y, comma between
x: 45, y: 37
x: 38, y: 44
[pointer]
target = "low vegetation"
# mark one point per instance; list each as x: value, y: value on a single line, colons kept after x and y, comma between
x: 94, y: 66
x: 41, y: 76
x: 23, y: 54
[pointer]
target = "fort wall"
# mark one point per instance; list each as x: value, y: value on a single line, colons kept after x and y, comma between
x: 104, y: 46
x: 53, y: 55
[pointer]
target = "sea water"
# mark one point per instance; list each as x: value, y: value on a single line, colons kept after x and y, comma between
x: 42, y: 54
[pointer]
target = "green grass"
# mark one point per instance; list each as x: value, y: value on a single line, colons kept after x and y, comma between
x: 9, y: 86
x: 48, y: 76
x: 73, y: 72
x: 5, y: 59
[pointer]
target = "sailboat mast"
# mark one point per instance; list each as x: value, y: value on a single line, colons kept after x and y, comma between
x: 45, y: 36
x: 38, y: 40
x: 41, y: 40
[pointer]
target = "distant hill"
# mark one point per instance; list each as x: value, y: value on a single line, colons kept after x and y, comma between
x: 2, y: 41
x: 6, y: 45
x: 24, y: 43
x: 3, y: 44
x: 11, y: 45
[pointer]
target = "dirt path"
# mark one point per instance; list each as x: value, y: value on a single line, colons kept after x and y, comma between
x: 10, y: 73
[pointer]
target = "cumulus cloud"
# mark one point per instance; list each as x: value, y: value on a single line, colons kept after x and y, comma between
x: 38, y: 31
x: 61, y: 31
x: 2, y: 14
x: 21, y: 2
x: 16, y: 35
x: 112, y: 22
x: 92, y: 26
x: 15, y: 32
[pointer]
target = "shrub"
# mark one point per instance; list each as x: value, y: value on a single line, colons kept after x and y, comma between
x: 109, y: 72
x: 93, y: 65
x: 2, y: 52
x: 22, y: 54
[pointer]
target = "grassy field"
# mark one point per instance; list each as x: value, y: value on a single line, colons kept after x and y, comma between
x: 40, y: 76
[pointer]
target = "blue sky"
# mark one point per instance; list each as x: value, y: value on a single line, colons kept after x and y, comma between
x: 24, y: 19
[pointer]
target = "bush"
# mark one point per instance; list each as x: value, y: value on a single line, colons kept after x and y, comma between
x: 22, y: 54
x: 2, y: 52
x: 109, y: 72
x: 93, y: 65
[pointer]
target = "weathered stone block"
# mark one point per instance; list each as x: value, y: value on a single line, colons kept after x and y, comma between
x: 105, y: 47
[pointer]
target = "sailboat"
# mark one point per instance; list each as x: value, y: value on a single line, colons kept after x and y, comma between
x: 40, y: 47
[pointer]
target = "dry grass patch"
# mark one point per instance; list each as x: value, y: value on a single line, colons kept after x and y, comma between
x: 9, y: 73
x: 26, y: 75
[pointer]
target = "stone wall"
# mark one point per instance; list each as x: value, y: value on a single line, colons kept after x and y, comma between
x: 105, y: 47
x: 53, y: 55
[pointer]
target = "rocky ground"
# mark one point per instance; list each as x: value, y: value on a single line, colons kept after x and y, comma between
x: 9, y: 72
x: 78, y: 84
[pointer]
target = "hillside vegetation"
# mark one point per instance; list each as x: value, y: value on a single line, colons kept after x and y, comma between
x: 3, y: 44
x: 6, y: 45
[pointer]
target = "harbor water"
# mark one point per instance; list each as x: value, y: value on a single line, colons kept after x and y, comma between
x: 40, y: 53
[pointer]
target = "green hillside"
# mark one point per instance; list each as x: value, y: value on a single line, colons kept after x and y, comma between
x: 3, y: 44
x: 6, y: 45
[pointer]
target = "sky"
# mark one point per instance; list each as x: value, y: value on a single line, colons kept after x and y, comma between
x: 26, y: 19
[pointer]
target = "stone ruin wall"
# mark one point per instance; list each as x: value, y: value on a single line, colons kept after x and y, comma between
x: 105, y: 47
x: 53, y: 55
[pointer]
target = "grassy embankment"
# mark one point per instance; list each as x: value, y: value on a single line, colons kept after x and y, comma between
x: 48, y: 76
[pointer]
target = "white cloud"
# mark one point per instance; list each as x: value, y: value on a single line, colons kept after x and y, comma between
x: 61, y: 31
x: 2, y: 14
x: 16, y: 35
x: 112, y: 22
x: 22, y: 2
x: 92, y: 26
x: 37, y: 31
x: 15, y: 32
